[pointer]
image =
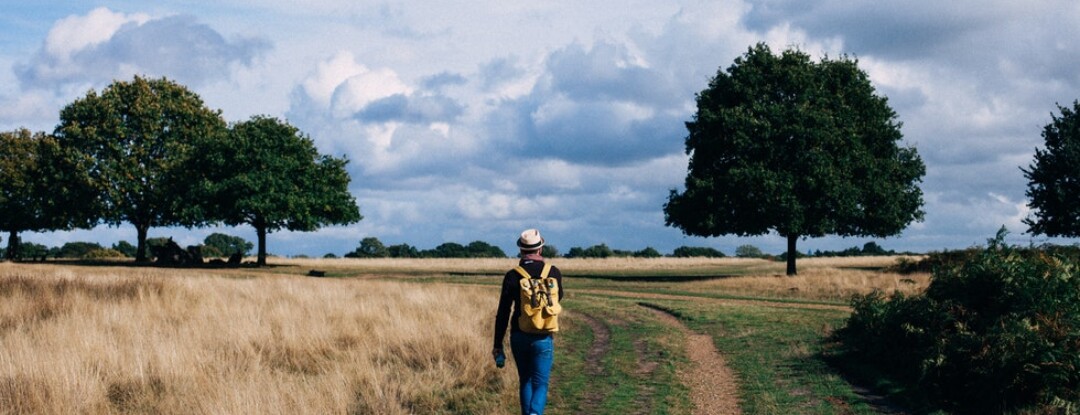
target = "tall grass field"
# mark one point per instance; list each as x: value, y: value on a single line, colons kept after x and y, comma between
x: 381, y: 336
x: 89, y: 340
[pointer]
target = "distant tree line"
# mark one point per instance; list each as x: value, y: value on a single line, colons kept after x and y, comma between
x: 149, y: 152
x: 868, y: 249
x: 372, y: 247
x: 223, y: 245
x: 215, y: 245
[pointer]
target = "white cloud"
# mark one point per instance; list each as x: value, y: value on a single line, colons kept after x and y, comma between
x: 95, y: 49
x: 329, y: 75
x: 32, y: 110
x: 75, y: 33
x: 364, y: 88
x: 470, y: 121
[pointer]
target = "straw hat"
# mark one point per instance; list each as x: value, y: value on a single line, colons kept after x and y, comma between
x: 530, y: 240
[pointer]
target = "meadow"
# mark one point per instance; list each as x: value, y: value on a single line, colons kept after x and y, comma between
x: 392, y: 336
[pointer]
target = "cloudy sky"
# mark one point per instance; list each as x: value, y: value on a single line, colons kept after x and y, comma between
x: 473, y: 120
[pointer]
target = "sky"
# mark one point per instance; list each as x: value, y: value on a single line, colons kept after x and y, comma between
x: 466, y: 121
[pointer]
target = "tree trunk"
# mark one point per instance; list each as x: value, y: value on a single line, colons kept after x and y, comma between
x: 260, y: 229
x: 791, y: 252
x: 12, y: 246
x: 140, y: 252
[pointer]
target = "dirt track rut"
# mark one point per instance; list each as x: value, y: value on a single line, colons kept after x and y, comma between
x: 713, y: 386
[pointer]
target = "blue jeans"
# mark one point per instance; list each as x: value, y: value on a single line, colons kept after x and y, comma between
x: 534, y: 354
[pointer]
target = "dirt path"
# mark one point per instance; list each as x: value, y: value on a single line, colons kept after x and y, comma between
x: 713, y: 386
x: 593, y: 359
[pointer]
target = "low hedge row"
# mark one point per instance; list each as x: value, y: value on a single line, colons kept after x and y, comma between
x: 997, y: 331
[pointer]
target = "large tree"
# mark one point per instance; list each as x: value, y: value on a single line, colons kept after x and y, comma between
x: 269, y: 175
x: 1054, y: 178
x: 40, y: 188
x: 135, y: 136
x: 783, y: 144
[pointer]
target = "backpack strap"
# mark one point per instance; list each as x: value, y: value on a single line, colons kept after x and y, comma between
x: 525, y: 274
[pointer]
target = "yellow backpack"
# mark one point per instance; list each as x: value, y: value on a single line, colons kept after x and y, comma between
x: 539, y: 302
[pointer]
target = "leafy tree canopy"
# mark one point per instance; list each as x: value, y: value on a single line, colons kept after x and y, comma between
x: 270, y: 175
x: 1054, y: 178
x: 370, y: 247
x: 38, y: 187
x: 132, y: 139
x: 783, y: 144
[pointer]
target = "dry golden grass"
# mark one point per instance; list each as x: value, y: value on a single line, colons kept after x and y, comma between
x: 104, y: 340
x: 822, y: 283
x: 120, y: 339
x: 833, y: 279
x: 825, y: 279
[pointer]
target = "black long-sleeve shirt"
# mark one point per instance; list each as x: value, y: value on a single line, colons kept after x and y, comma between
x: 509, y: 310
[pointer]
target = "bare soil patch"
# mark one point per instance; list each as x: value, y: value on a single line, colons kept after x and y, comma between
x: 713, y: 386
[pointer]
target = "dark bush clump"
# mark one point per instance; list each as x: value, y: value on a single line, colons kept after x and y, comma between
x: 696, y: 251
x: 997, y: 333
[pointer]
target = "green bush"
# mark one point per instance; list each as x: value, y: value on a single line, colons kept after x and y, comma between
x: 748, y: 251
x: 77, y: 249
x: 648, y: 252
x: 30, y: 250
x: 696, y: 251
x: 125, y: 248
x: 223, y: 245
x: 102, y: 253
x: 999, y: 332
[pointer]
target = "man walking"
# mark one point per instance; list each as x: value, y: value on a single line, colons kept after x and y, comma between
x: 530, y: 303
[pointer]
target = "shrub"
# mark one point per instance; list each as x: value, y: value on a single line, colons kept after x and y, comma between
x: 211, y: 251
x: 595, y: 251
x: 648, y: 252
x: 125, y: 248
x: 868, y: 249
x: 32, y: 251
x: 696, y: 251
x: 481, y: 249
x: 748, y: 251
x: 103, y: 253
x: 370, y: 247
x: 225, y: 245
x: 549, y: 251
x: 996, y: 333
x: 77, y: 249
x: 403, y: 251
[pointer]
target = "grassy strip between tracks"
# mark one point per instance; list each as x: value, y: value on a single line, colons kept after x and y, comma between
x: 636, y: 374
x: 777, y: 356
